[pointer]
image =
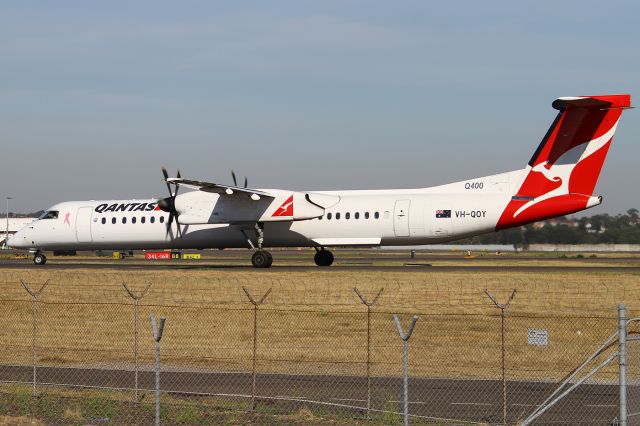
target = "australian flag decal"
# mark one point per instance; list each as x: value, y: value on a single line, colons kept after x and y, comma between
x: 443, y: 213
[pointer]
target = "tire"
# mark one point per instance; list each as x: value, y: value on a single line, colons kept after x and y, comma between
x: 323, y: 258
x: 39, y: 259
x: 261, y: 259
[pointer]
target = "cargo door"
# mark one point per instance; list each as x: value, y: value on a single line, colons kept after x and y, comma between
x: 401, y: 218
x: 83, y: 224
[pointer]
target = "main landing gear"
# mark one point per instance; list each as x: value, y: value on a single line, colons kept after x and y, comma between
x: 39, y: 258
x: 260, y: 258
x: 323, y: 257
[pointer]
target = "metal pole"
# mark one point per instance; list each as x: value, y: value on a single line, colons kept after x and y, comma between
x: 405, y: 381
x: 622, y: 341
x: 6, y: 237
x: 34, y: 333
x: 157, y: 335
x: 368, y: 305
x: 405, y: 346
x: 255, y: 341
x: 255, y: 351
x: 135, y: 349
x: 34, y: 327
x: 157, y: 383
x: 368, y: 361
x: 504, y: 375
x: 136, y: 298
x: 503, y: 365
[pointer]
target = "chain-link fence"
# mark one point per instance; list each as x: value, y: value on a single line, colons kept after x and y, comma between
x: 86, y: 353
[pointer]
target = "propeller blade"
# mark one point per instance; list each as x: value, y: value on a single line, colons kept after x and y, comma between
x: 235, y: 181
x: 173, y: 216
x: 166, y: 176
x: 178, y: 227
x: 169, y: 204
x: 169, y: 221
x: 246, y: 182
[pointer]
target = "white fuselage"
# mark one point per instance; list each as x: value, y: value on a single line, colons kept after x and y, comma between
x: 355, y: 218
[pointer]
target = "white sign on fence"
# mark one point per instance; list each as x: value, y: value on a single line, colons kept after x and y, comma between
x: 538, y: 337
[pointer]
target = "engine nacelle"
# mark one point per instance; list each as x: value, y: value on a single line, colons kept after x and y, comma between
x: 199, y: 207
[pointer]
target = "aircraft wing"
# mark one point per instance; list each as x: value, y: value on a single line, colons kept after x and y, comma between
x: 228, y: 190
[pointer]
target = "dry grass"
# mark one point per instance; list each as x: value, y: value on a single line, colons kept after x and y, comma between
x: 19, y: 421
x: 313, y: 322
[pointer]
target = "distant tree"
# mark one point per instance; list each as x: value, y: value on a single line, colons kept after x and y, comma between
x: 605, y: 229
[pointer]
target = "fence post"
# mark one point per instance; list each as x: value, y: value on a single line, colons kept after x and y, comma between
x: 136, y: 298
x: 34, y: 327
x: 622, y: 344
x: 255, y: 341
x: 405, y: 347
x: 502, y: 307
x: 157, y: 335
x: 369, y: 305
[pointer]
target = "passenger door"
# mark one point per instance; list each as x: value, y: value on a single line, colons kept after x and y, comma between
x: 401, y: 218
x: 83, y: 224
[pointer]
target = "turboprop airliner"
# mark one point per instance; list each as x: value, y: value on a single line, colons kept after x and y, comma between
x: 559, y: 179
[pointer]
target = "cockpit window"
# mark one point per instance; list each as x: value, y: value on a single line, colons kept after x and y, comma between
x: 50, y: 214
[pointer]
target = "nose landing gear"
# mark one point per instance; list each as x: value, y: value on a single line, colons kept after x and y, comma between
x: 39, y: 259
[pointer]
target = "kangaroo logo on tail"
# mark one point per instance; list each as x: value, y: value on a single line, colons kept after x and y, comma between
x: 564, y: 170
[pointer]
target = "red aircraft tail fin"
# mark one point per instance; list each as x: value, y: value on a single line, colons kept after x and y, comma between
x: 564, y: 170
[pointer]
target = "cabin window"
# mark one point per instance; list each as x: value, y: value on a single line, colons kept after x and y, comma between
x: 357, y: 215
x: 366, y: 215
x: 51, y: 214
x: 142, y: 219
x: 104, y: 220
x: 337, y: 216
x: 386, y: 214
x: 113, y: 220
x: 161, y: 219
x: 347, y: 215
x: 376, y: 215
x: 153, y: 219
x: 133, y: 219
x: 124, y: 220
x: 328, y: 216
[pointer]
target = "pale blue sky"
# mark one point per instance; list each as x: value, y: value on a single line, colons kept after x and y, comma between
x: 96, y: 96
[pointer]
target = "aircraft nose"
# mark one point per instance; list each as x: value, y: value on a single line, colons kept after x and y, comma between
x: 17, y: 240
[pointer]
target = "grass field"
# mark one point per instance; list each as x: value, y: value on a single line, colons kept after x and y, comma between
x: 312, y: 322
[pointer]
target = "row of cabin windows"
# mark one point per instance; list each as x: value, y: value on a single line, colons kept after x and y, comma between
x: 143, y: 219
x: 356, y: 215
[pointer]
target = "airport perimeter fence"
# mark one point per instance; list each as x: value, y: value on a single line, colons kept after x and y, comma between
x: 86, y: 353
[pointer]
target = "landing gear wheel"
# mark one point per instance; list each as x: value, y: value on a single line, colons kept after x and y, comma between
x: 323, y: 258
x: 261, y: 259
x: 39, y: 259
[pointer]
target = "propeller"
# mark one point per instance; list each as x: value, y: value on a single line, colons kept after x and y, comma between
x: 235, y: 181
x: 169, y: 204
